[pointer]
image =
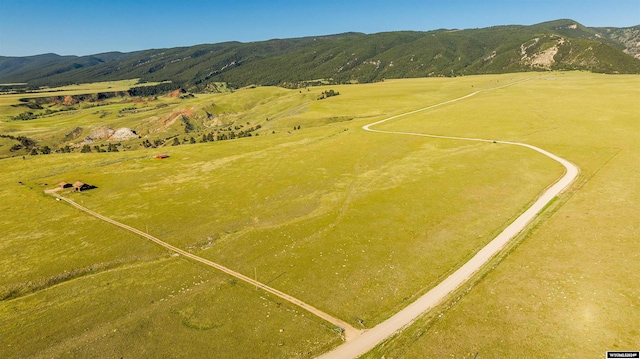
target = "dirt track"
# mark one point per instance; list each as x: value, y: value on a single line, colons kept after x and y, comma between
x: 358, y: 342
x: 374, y: 336
x: 349, y: 331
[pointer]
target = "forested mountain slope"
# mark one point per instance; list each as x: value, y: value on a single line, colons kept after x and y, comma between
x: 349, y: 57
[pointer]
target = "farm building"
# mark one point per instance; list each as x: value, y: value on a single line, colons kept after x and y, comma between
x: 161, y: 156
x: 65, y: 185
x: 81, y: 186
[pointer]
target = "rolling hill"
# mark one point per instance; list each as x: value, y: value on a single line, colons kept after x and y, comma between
x: 349, y: 57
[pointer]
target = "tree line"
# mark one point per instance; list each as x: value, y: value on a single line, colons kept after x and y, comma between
x: 155, y: 90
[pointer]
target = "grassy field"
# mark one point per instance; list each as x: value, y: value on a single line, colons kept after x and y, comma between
x: 8, y: 99
x: 354, y: 223
x: 74, y: 286
x: 570, y: 288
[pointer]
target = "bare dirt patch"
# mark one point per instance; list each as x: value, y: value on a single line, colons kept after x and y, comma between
x: 545, y: 58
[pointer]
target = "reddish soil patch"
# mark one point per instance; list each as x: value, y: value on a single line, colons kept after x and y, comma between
x: 175, y: 93
x: 176, y: 115
x: 68, y: 101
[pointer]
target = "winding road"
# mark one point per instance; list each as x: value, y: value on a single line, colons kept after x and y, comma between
x: 358, y: 342
x: 376, y: 335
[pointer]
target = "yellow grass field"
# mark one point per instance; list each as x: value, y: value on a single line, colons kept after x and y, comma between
x: 354, y: 223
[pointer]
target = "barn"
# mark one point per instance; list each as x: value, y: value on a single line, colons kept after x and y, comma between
x: 65, y: 185
x: 81, y: 186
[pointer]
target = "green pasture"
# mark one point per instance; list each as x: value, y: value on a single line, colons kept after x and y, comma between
x: 354, y: 223
x: 74, y: 286
x: 154, y: 118
x: 162, y: 308
x: 80, y: 89
x: 570, y: 288
x: 75, y: 89
x: 8, y: 99
x: 9, y: 102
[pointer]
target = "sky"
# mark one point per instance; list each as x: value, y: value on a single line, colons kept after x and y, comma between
x: 66, y: 27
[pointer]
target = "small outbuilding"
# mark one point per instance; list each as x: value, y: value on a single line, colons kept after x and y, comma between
x: 81, y: 186
x: 161, y: 156
x: 65, y: 185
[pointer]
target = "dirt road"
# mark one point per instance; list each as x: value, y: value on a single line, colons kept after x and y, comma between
x: 374, y: 336
x: 349, y: 332
x: 358, y: 342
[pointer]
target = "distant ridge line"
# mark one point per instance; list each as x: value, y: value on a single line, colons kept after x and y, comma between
x: 349, y: 57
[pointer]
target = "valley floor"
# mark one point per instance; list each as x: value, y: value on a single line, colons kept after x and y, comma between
x: 356, y: 224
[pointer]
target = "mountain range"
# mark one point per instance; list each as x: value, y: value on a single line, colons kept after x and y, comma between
x: 348, y: 57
